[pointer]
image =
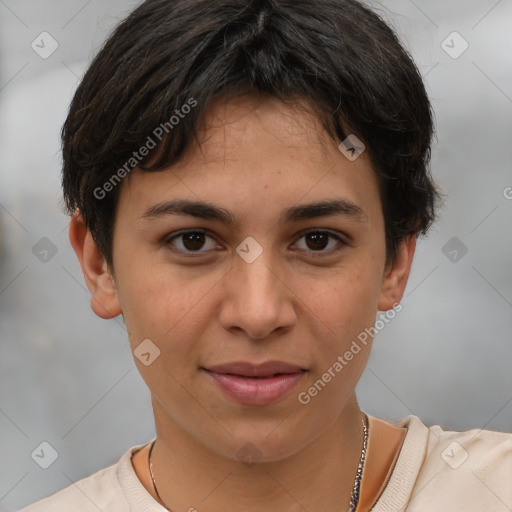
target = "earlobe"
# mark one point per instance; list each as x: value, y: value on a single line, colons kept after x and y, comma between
x: 99, y: 280
x: 396, y: 276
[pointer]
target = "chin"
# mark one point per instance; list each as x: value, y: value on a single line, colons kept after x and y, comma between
x: 263, y: 445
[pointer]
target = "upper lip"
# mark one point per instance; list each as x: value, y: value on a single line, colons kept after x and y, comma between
x: 247, y: 369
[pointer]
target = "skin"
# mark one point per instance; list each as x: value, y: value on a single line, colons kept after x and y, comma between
x: 257, y: 158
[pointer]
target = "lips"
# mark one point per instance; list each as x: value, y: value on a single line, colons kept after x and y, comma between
x: 244, y: 369
x: 256, y: 384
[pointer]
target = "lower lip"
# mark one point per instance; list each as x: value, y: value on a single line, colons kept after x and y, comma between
x: 256, y: 391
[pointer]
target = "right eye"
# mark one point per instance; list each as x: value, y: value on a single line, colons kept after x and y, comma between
x: 190, y: 242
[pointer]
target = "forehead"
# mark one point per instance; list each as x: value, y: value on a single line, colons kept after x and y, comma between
x: 253, y: 147
x: 261, y: 119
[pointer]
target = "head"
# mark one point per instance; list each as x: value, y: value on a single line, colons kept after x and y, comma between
x: 214, y: 209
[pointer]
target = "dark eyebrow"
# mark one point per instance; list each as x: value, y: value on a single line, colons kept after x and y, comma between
x: 197, y: 209
x: 323, y: 209
x: 209, y: 211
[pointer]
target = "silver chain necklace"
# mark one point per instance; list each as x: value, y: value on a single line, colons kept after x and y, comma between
x: 354, y: 497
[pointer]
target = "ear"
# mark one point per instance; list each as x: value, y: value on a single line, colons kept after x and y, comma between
x: 98, y: 277
x: 396, y: 275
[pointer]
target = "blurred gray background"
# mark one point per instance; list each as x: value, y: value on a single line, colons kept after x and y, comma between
x: 67, y: 377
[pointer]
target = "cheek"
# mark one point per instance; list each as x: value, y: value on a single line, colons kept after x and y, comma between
x: 165, y: 311
x: 164, y: 305
x: 342, y: 310
x: 343, y: 304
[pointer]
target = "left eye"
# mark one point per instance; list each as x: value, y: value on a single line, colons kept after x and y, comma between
x: 316, y: 242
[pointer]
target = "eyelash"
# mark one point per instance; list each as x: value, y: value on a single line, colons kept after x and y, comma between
x: 315, y: 254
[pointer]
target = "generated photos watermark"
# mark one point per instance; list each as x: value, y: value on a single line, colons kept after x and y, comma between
x: 343, y: 360
x: 143, y: 151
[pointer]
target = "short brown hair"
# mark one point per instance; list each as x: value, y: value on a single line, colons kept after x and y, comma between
x: 338, y: 55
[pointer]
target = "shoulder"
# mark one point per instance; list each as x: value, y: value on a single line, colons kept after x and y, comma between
x: 470, y: 470
x: 87, y: 495
x: 100, y: 491
x: 440, y: 469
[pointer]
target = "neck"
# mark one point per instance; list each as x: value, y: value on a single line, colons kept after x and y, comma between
x: 318, y: 476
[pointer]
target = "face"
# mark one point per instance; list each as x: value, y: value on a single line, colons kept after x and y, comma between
x: 255, y: 276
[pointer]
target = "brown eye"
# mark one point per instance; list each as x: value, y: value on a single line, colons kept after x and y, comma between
x: 321, y: 243
x: 317, y: 240
x: 191, y: 242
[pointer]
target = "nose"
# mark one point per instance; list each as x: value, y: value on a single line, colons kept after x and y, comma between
x: 257, y: 300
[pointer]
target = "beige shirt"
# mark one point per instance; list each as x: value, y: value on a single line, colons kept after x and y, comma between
x: 436, y: 471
